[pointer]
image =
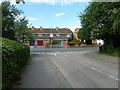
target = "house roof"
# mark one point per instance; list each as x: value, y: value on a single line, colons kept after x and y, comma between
x: 51, y: 30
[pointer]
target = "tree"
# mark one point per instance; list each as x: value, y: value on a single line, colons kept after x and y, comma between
x: 22, y: 33
x: 18, y: 1
x: 102, y: 21
x: 9, y: 12
x: 70, y: 39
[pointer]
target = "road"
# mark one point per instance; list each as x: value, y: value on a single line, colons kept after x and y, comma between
x: 70, y: 68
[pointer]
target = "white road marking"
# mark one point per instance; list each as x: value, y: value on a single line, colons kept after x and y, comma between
x: 105, y: 73
x: 96, y: 69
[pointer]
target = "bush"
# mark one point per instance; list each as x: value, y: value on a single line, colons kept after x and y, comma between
x: 71, y: 43
x: 110, y: 50
x: 55, y: 41
x: 14, y: 57
x: 77, y: 42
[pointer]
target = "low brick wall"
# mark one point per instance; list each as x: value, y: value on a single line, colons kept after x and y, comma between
x: 26, y: 44
x: 83, y: 46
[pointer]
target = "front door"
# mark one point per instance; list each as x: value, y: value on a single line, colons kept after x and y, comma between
x: 60, y: 43
x: 40, y: 43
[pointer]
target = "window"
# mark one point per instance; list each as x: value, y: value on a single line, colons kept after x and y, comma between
x: 39, y: 34
x: 57, y: 35
x: 68, y: 35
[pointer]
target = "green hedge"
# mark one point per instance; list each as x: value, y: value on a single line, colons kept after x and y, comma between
x: 71, y: 43
x: 14, y: 57
x: 110, y: 50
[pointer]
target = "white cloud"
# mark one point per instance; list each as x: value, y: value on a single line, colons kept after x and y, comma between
x: 29, y: 18
x: 61, y: 2
x: 51, y: 2
x: 74, y: 27
x: 59, y: 14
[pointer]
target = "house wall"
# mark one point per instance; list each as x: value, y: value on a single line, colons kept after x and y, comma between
x: 62, y: 34
x: 64, y: 43
x: 45, y: 43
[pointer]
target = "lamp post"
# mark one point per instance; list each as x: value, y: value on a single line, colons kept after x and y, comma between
x: 68, y: 35
x: 51, y: 35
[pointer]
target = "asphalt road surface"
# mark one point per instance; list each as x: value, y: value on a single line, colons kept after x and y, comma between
x: 70, y: 68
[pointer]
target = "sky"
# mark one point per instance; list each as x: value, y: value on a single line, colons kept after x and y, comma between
x: 53, y: 13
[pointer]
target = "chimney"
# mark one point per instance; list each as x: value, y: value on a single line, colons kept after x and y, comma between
x: 56, y: 28
x: 40, y: 27
x: 33, y: 28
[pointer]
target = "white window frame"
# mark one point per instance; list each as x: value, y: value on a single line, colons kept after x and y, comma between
x: 57, y: 35
x: 40, y: 34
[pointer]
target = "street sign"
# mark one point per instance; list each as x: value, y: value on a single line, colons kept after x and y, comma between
x: 51, y: 35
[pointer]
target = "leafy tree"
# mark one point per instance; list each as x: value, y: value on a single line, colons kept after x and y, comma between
x: 9, y: 12
x: 101, y: 20
x: 70, y: 39
x: 22, y: 33
x: 14, y: 28
x: 18, y: 1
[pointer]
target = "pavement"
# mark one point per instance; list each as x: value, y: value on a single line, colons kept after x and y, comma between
x: 70, y: 68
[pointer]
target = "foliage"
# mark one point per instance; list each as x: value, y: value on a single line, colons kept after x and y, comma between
x: 101, y: 20
x: 14, y: 57
x: 70, y: 39
x: 22, y: 33
x: 9, y: 12
x: 84, y: 34
x: 71, y: 43
x: 77, y: 42
x: 13, y: 27
x: 55, y: 41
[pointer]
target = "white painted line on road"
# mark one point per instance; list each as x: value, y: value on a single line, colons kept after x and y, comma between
x: 95, y: 69
x: 104, y: 73
x: 52, y: 54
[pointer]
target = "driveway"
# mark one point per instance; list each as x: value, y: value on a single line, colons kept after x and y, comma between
x: 70, y: 68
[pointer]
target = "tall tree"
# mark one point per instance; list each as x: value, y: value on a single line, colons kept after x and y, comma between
x: 9, y: 12
x: 22, y: 32
x: 103, y: 21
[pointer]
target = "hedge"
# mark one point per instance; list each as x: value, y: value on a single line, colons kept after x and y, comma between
x: 14, y: 57
x: 71, y: 43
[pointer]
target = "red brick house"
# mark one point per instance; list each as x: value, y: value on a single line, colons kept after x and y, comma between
x: 76, y: 33
x: 46, y: 35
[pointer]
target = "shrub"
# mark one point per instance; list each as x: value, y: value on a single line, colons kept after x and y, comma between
x: 55, y: 41
x: 14, y: 57
x: 71, y: 43
x: 77, y: 42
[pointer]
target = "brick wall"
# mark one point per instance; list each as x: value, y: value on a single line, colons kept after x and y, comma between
x: 45, y: 42
x: 26, y: 44
x: 64, y: 43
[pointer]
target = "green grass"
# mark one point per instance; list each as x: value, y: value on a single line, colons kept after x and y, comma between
x: 115, y: 53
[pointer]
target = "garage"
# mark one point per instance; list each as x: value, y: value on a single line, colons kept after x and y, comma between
x: 40, y: 43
